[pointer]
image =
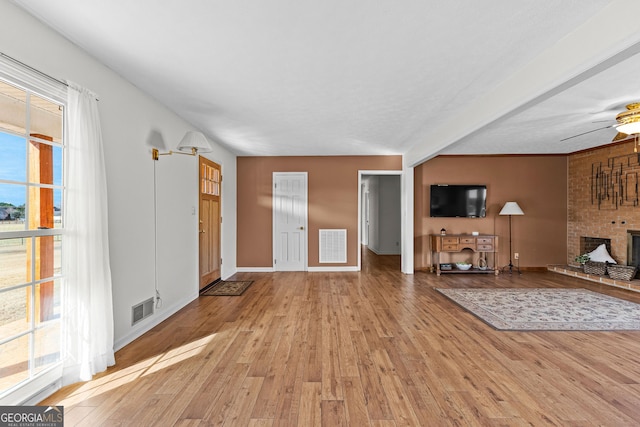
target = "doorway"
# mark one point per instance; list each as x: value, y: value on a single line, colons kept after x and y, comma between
x: 380, y: 222
x: 290, y: 221
x: 210, y: 221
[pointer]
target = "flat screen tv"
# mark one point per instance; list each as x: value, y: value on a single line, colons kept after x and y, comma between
x: 464, y: 201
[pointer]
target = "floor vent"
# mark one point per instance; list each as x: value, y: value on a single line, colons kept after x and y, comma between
x: 333, y: 245
x: 141, y: 311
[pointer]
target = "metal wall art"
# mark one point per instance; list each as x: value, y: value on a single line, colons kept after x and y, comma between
x: 616, y: 183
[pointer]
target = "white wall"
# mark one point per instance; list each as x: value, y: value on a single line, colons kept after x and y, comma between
x: 132, y: 123
x: 389, y: 214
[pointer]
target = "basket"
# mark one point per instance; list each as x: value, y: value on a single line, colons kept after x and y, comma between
x: 595, y: 267
x: 621, y: 272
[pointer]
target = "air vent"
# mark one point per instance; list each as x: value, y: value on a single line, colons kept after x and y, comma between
x: 333, y: 246
x: 141, y: 311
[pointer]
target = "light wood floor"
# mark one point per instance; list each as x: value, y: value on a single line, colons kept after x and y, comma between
x: 371, y: 348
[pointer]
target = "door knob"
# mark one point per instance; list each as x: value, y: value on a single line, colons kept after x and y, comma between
x: 300, y: 228
x: 202, y: 231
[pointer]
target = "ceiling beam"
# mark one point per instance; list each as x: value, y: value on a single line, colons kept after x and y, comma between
x: 605, y: 40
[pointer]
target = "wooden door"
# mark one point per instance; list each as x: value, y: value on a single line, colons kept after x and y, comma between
x: 210, y: 221
x: 290, y: 221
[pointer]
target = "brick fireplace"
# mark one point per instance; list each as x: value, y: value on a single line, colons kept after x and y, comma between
x: 601, y: 210
x: 601, y: 219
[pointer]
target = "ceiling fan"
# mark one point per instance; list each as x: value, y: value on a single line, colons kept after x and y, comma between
x: 627, y: 123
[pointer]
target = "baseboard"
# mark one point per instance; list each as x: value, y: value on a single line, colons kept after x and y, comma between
x: 333, y: 269
x: 255, y: 270
x: 153, y: 321
x: 227, y: 275
x: 43, y: 394
x: 311, y: 269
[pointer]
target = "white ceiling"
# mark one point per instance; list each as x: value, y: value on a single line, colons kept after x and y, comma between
x: 335, y: 77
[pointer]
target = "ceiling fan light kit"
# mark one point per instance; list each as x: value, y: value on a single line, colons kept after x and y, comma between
x: 629, y: 121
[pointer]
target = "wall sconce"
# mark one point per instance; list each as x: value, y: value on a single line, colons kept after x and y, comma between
x: 191, y: 144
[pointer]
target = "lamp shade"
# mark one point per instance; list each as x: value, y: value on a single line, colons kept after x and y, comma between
x: 511, y: 208
x: 194, y: 140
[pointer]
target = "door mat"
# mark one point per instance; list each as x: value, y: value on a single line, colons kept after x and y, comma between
x: 547, y: 309
x: 228, y: 288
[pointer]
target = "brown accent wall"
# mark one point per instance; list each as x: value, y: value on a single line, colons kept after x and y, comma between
x: 537, y: 183
x: 333, y: 201
x: 607, y: 221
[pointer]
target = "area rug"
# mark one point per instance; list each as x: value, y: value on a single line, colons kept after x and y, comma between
x: 228, y: 288
x: 547, y: 309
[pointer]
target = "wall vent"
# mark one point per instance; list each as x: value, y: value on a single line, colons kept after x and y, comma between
x: 333, y: 246
x: 141, y: 311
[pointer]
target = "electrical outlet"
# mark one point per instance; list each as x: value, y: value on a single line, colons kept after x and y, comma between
x: 516, y: 255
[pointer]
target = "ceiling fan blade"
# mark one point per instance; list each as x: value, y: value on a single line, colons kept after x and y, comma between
x: 620, y: 136
x: 584, y: 133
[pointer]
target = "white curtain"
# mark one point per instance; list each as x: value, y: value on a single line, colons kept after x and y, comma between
x: 87, y: 304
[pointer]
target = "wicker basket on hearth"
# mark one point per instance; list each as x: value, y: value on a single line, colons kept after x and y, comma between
x: 621, y: 272
x: 595, y: 267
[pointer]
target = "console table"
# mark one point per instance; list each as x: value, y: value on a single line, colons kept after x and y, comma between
x: 484, y: 244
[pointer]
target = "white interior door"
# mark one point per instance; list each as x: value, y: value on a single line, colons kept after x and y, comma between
x: 290, y: 221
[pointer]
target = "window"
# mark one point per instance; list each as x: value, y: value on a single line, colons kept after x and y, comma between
x: 31, y: 233
x: 209, y: 180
